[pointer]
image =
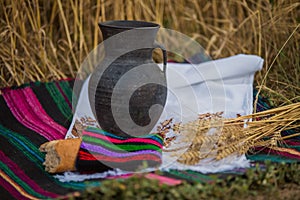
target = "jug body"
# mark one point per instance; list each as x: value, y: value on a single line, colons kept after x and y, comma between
x: 128, y: 96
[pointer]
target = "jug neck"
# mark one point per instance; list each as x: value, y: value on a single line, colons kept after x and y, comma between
x: 129, y: 33
x: 111, y: 28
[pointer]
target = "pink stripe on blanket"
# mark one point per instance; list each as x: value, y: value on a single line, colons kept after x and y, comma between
x: 8, y: 187
x: 19, y: 173
x: 114, y: 140
x: 63, y: 94
x: 40, y: 112
x: 292, y: 142
x: 23, y: 112
x: 163, y: 179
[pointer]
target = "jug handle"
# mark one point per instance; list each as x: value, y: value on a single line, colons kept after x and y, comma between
x: 164, y: 51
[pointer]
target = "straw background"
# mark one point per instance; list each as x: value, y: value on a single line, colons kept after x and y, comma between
x: 47, y: 40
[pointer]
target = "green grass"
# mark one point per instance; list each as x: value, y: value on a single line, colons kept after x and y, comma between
x: 277, y: 181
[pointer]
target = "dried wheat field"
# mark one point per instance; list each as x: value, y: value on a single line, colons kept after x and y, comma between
x: 48, y: 40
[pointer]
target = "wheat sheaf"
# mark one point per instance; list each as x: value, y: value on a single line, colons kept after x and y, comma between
x: 212, y: 136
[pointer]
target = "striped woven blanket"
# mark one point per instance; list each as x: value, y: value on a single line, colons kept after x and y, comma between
x: 129, y: 154
x: 38, y: 112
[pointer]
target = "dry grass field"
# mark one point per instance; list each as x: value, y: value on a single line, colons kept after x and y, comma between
x: 48, y: 40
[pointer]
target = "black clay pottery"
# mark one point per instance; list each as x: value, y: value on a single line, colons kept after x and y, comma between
x: 127, y: 90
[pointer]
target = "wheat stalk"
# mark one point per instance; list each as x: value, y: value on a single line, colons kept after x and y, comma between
x: 229, y: 136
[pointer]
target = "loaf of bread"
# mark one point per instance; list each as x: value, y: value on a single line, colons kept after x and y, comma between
x: 61, y: 155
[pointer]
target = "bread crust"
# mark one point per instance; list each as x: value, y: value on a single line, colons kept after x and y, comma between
x: 61, y: 155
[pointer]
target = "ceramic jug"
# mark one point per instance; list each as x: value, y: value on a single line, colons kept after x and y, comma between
x: 127, y: 90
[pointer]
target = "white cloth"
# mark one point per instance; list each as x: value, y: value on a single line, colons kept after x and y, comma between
x: 220, y: 85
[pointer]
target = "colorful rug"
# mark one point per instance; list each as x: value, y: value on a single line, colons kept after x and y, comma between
x: 129, y: 154
x: 38, y: 112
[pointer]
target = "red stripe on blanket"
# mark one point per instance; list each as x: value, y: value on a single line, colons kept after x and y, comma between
x: 147, y: 157
x: 118, y: 141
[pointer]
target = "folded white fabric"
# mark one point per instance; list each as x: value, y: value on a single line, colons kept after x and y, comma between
x: 221, y: 85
